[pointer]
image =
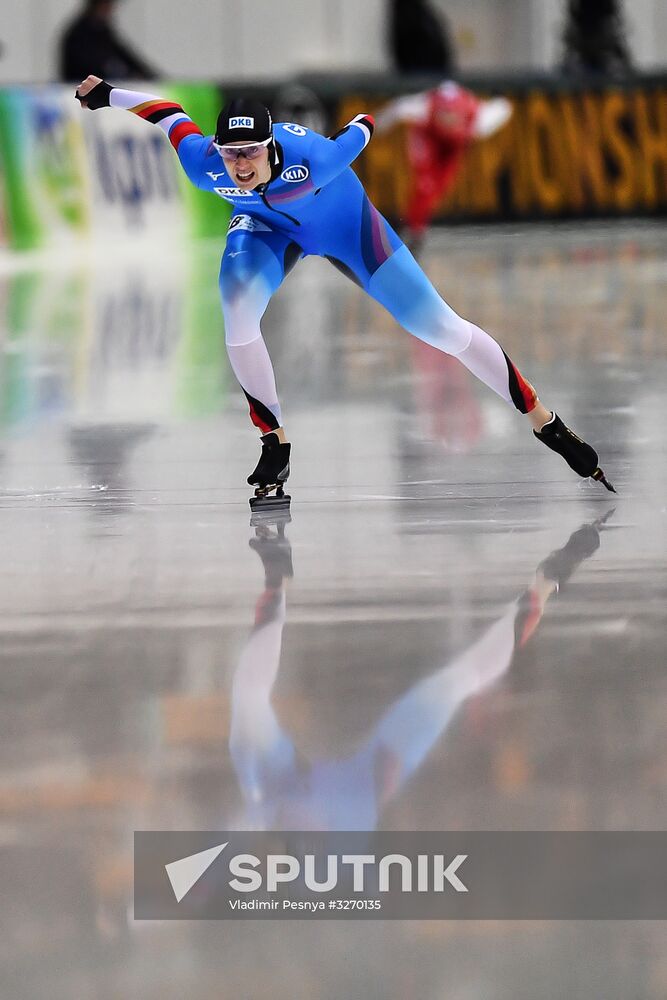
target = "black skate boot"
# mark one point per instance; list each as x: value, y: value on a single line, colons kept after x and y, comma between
x: 271, y: 474
x: 581, y: 458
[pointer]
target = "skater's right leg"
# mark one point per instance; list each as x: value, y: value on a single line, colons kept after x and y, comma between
x: 255, y: 261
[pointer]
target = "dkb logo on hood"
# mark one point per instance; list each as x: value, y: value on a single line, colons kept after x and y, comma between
x: 295, y: 173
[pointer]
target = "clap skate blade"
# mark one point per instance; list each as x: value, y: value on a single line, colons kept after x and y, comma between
x: 264, y: 502
x: 600, y: 477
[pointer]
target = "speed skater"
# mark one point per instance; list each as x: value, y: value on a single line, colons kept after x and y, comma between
x: 294, y: 194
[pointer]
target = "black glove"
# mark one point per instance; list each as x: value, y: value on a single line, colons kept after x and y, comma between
x: 96, y: 98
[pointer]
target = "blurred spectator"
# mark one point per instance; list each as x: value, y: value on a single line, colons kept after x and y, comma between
x: 419, y: 39
x: 441, y: 125
x: 91, y: 45
x: 594, y: 38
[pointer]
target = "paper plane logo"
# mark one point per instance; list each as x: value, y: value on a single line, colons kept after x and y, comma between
x: 186, y: 871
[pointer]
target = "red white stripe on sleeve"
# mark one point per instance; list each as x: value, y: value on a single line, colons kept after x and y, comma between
x: 366, y: 123
x: 168, y: 115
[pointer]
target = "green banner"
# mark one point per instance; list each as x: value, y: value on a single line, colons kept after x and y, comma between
x: 58, y: 163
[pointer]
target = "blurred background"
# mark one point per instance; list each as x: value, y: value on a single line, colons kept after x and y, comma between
x: 583, y: 134
x: 218, y: 39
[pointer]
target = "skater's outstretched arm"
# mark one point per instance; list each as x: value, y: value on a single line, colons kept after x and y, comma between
x: 185, y: 136
x: 329, y: 157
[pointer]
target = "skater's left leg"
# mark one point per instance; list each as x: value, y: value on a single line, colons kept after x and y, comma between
x: 403, y: 289
x: 391, y: 275
x: 386, y: 269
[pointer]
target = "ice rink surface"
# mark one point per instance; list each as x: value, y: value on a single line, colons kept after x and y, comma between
x: 453, y: 632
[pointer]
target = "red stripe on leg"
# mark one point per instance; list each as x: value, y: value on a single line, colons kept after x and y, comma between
x: 527, y: 391
x: 260, y: 414
x: 257, y: 420
x: 522, y: 393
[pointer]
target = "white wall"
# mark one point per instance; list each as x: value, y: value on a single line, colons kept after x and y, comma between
x: 264, y: 38
x: 207, y: 38
x: 645, y: 21
x: 527, y: 33
x: 487, y: 34
x: 647, y: 30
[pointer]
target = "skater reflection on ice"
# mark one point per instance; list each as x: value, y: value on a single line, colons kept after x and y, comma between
x: 283, y: 788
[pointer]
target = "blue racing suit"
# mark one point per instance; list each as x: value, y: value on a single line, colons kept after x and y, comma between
x: 314, y: 200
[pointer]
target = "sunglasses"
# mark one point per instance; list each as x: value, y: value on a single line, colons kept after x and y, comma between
x: 250, y: 152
